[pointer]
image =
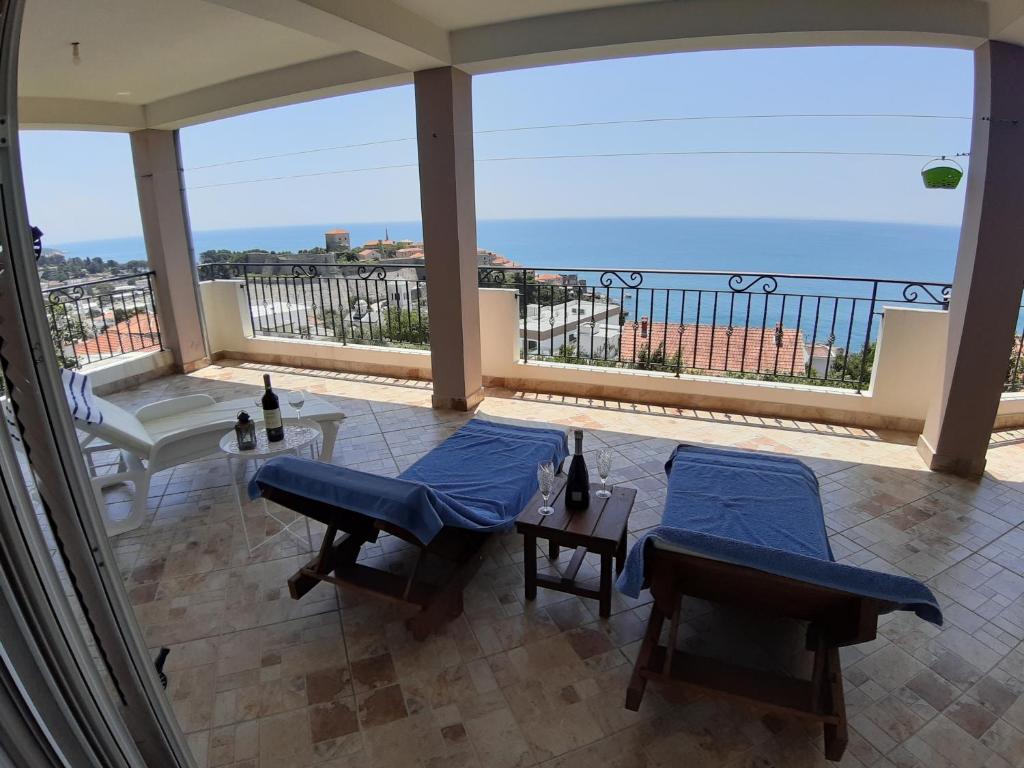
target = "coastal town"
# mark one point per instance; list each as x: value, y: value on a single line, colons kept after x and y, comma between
x: 291, y: 294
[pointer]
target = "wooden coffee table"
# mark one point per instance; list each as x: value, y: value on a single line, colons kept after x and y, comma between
x: 601, y: 529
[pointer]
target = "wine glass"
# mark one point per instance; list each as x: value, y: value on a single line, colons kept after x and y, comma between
x: 546, y: 481
x: 297, y: 399
x: 604, y: 468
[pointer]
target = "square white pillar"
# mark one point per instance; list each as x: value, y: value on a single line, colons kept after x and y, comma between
x: 444, y: 129
x: 986, y: 293
x: 168, y: 237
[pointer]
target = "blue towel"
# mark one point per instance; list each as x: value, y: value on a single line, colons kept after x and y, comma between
x: 763, y: 512
x: 480, y: 478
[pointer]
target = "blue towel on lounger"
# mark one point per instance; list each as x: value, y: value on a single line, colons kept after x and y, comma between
x: 480, y: 478
x: 763, y: 512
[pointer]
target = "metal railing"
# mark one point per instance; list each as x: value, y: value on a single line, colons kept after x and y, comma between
x: 814, y: 329
x: 810, y: 329
x: 1015, y: 371
x: 101, y: 319
x: 348, y: 303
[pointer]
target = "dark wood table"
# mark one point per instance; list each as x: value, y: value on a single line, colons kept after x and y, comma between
x: 600, y: 528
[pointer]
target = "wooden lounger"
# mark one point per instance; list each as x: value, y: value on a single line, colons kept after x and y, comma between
x: 440, y: 600
x: 445, y: 505
x: 747, y: 530
x: 835, y: 619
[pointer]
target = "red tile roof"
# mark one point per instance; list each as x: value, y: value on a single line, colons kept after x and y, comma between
x: 137, y: 333
x: 743, y: 349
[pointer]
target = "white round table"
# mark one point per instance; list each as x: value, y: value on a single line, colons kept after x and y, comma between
x: 299, y: 434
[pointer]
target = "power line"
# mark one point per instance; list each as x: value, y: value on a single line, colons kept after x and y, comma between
x: 297, y: 152
x: 683, y: 153
x: 592, y: 124
x: 690, y: 118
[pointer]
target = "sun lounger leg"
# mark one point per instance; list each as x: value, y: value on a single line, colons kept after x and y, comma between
x: 446, y: 602
x: 330, y: 557
x: 637, y: 682
x: 836, y: 736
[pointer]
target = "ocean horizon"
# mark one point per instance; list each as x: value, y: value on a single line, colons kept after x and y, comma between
x: 817, y: 247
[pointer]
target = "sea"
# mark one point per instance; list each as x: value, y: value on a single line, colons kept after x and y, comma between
x: 854, y: 248
x: 915, y: 260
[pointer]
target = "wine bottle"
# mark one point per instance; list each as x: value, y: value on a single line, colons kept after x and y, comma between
x: 271, y: 412
x: 577, y: 486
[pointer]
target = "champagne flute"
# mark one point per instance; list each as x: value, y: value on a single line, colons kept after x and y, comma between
x: 297, y: 399
x: 604, y: 468
x: 546, y: 481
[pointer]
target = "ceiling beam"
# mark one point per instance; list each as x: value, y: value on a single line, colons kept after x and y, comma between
x: 1006, y: 21
x: 659, y: 27
x: 332, y: 76
x: 379, y: 28
x: 79, y: 114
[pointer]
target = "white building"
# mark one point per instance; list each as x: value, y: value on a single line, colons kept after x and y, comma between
x: 592, y: 326
x: 279, y: 317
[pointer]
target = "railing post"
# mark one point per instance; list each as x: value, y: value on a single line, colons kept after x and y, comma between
x: 867, y: 336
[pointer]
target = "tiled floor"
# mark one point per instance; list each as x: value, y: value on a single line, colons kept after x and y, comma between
x: 258, y: 679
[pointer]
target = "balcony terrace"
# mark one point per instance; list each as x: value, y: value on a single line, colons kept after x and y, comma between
x: 259, y: 679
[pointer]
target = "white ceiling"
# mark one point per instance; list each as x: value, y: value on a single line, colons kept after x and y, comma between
x: 151, y: 48
x: 168, y: 63
x: 459, y: 14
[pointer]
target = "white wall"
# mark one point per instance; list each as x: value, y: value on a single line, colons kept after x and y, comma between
x: 229, y: 334
x: 129, y: 370
x: 908, y: 359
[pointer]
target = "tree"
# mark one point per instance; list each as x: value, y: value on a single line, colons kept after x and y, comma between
x: 120, y: 315
x: 1015, y: 368
x: 405, y: 326
x: 851, y: 367
x: 65, y: 330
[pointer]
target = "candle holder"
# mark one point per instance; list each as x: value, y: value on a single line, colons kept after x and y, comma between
x: 245, y: 432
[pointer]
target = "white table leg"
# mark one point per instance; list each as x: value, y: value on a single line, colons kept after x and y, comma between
x: 233, y: 469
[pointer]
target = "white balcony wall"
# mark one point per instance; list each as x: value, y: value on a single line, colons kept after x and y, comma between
x: 907, y: 361
x: 129, y: 370
x: 229, y: 335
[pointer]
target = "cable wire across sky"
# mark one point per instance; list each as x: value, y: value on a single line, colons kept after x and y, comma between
x: 592, y: 124
x: 681, y: 153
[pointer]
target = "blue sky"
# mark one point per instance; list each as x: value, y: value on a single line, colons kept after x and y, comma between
x: 80, y: 185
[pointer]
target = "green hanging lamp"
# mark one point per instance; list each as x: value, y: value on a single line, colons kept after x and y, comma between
x: 939, y: 174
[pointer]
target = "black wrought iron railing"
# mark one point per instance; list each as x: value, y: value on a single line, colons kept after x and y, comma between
x: 813, y: 329
x: 101, y: 319
x: 347, y: 303
x: 1015, y: 370
x: 809, y: 329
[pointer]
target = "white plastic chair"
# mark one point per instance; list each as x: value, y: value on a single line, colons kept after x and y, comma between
x: 171, y: 432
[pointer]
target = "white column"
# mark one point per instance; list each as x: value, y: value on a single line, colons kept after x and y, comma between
x: 989, y: 270
x: 168, y: 236
x: 444, y: 129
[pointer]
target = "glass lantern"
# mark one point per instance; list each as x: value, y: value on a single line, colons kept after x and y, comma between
x: 245, y: 432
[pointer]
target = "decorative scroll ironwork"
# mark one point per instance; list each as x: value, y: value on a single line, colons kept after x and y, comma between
x: 371, y: 272
x: 305, y: 270
x: 494, y: 276
x: 769, y: 284
x: 633, y: 280
x: 66, y: 294
x: 911, y: 293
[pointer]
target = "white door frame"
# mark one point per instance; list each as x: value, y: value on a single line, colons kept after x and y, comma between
x: 134, y: 726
